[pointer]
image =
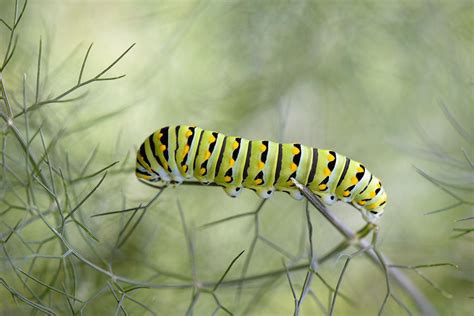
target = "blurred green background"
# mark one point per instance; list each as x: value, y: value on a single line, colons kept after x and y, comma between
x: 388, y: 83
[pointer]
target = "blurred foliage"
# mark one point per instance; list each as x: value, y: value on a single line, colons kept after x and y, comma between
x: 388, y: 83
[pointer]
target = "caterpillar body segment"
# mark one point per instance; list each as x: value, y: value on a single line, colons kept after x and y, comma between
x: 178, y: 153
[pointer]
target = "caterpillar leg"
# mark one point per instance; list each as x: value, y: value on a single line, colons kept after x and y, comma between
x: 177, y: 178
x: 329, y: 199
x: 203, y: 181
x: 233, y: 191
x: 163, y: 175
x: 265, y: 193
x: 296, y: 194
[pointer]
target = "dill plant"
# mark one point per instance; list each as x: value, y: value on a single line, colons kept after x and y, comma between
x: 56, y: 259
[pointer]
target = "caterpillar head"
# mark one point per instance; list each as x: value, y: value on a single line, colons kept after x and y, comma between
x: 371, y: 201
x: 142, y: 171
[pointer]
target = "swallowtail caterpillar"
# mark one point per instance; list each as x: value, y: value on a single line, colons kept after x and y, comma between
x: 177, y: 153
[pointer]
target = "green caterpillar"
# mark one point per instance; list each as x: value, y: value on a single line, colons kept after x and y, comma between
x: 178, y: 153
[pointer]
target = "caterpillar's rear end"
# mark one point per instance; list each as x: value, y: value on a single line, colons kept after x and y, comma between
x: 177, y: 153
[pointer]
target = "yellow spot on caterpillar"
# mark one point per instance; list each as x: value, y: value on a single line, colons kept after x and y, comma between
x: 159, y: 135
x: 185, y: 150
x: 261, y: 165
x: 162, y: 147
x: 165, y: 165
x: 359, y: 169
x: 231, y: 162
x: 189, y: 133
x: 235, y: 145
x: 207, y: 155
x: 372, y: 194
x: 184, y: 168
x: 227, y: 179
x: 346, y: 193
x: 354, y: 180
x: 258, y: 181
x: 295, y: 151
x: 371, y: 207
x: 331, y: 157
x: 290, y: 183
x: 362, y: 203
x: 322, y: 187
x: 379, y: 185
x: 202, y: 171
x: 293, y: 166
x: 212, y: 139
x: 263, y: 148
x: 327, y: 172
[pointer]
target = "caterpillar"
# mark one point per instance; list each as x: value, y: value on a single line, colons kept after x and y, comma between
x: 177, y: 153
